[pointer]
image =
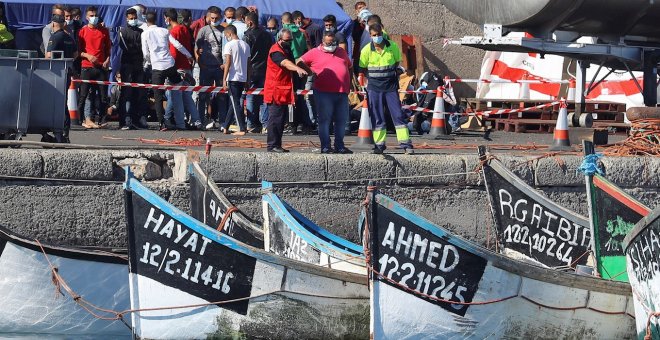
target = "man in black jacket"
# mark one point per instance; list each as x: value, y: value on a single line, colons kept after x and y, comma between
x: 260, y: 42
x: 132, y: 72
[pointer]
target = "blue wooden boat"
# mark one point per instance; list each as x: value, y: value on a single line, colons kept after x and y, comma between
x: 189, y: 281
x: 429, y: 284
x: 290, y: 234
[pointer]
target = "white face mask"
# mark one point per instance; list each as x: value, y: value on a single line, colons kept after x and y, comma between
x: 93, y: 20
x: 69, y: 22
x: 133, y: 22
x: 216, y: 24
x: 330, y: 49
x: 229, y: 21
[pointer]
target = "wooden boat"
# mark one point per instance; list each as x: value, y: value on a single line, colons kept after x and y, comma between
x: 209, y: 205
x: 31, y: 303
x: 429, y: 284
x: 190, y: 281
x: 290, y: 234
x: 642, y: 247
x: 529, y: 226
x: 612, y: 214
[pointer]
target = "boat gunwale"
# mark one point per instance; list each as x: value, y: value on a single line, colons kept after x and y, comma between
x: 640, y: 227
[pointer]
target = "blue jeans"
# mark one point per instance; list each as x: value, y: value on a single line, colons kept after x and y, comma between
x: 211, y: 75
x: 257, y: 112
x: 179, y: 102
x: 331, y: 107
x: 235, y: 105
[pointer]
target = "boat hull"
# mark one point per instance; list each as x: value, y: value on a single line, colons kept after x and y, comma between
x: 643, y: 263
x: 430, y: 284
x: 247, y: 293
x: 31, y: 304
x: 529, y: 226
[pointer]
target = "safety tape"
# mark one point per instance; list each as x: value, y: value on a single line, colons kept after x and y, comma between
x: 214, y: 89
x: 485, y: 113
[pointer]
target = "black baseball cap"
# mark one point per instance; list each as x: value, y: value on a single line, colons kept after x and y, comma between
x: 58, y: 18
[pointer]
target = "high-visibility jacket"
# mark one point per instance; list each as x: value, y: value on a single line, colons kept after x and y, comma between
x: 381, y: 66
x: 278, y: 87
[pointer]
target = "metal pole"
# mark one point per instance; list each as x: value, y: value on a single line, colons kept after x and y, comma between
x: 580, y: 84
x: 650, y: 91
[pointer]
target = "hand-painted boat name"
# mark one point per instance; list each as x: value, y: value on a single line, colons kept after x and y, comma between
x: 175, y: 254
x: 296, y: 248
x: 192, y: 238
x: 436, y: 269
x: 538, y: 232
x: 644, y: 254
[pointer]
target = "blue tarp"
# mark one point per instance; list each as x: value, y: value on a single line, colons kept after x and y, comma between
x: 27, y: 17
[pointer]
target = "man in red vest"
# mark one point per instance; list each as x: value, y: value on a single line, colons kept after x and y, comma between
x: 278, y: 88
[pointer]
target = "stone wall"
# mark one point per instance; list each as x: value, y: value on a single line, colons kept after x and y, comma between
x: 84, y: 206
x: 432, y: 22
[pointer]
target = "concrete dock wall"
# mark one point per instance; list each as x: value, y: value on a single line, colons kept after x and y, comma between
x: 78, y: 197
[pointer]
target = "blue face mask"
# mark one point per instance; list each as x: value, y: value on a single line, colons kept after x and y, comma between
x: 133, y: 22
x: 377, y: 40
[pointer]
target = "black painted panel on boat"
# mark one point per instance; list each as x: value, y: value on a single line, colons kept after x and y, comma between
x: 534, y: 229
x: 215, y: 209
x: 284, y: 241
x: 614, y: 221
x: 644, y: 252
x: 407, y: 255
x: 3, y: 243
x: 165, y: 250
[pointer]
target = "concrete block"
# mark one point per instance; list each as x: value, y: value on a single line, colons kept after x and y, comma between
x: 290, y: 167
x: 78, y: 164
x: 361, y: 166
x: 430, y: 165
x: 18, y: 162
x: 632, y: 171
x: 143, y: 169
x: 523, y: 167
x: 231, y: 167
x: 559, y: 171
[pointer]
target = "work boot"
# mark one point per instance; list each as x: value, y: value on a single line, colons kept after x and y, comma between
x: 142, y: 124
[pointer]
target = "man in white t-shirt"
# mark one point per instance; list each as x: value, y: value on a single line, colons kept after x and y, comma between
x: 236, y: 54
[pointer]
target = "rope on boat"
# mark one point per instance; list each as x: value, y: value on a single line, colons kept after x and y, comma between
x: 648, y: 335
x: 96, y: 311
x: 232, y: 209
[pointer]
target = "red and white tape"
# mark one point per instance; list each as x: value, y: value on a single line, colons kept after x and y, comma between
x: 486, y: 113
x: 214, y: 89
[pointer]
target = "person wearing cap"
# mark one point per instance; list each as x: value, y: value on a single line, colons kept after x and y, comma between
x: 46, y: 32
x: 60, y: 40
x: 380, y: 60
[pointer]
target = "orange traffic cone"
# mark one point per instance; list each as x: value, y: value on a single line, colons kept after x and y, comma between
x: 365, y: 138
x: 561, y: 141
x: 438, y: 122
x: 72, y: 104
x: 571, y: 90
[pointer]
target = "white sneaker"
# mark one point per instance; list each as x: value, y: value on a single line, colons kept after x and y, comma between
x: 198, y: 125
x: 211, y: 125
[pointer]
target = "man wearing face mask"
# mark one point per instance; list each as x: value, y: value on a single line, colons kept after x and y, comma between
x: 237, y: 56
x: 331, y: 87
x: 94, y: 46
x: 298, y: 48
x: 313, y: 32
x: 272, y: 28
x: 330, y: 25
x: 131, y: 71
x: 46, y: 32
x: 380, y: 60
x: 278, y: 88
x: 208, y: 50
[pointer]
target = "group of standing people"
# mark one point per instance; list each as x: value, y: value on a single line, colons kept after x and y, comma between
x: 229, y: 49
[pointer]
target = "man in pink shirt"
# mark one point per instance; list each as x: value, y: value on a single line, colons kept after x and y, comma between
x: 331, y: 65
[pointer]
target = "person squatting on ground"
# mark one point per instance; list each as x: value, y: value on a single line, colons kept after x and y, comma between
x: 208, y: 50
x: 180, y: 102
x: 278, y: 89
x: 380, y: 59
x: 94, y: 46
x: 156, y: 52
x: 331, y: 65
x: 236, y: 54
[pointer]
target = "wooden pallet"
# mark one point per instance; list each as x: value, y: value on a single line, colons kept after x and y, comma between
x: 525, y: 125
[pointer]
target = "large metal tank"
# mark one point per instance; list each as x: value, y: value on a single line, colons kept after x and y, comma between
x: 613, y: 18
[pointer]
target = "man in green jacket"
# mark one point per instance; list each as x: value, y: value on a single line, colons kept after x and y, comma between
x: 298, y: 48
